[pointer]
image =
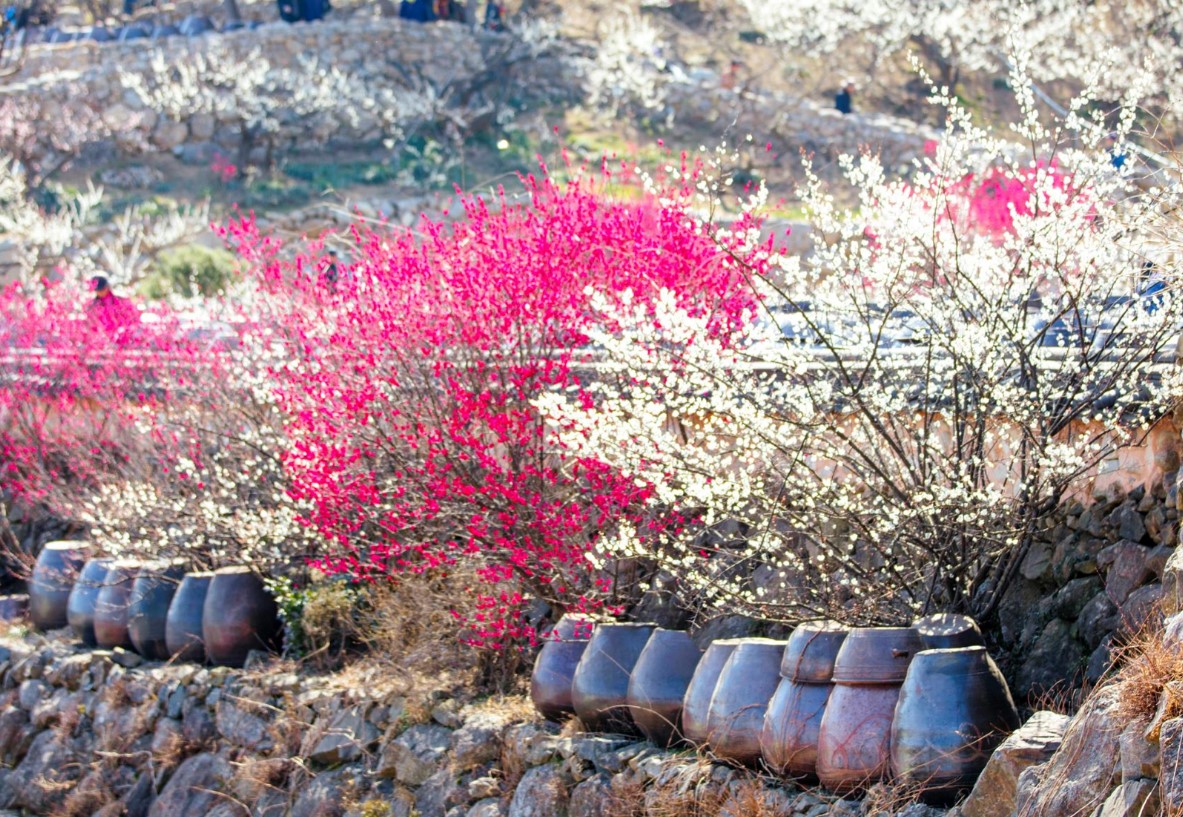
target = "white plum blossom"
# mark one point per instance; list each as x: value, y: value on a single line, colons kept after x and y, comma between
x: 958, y: 352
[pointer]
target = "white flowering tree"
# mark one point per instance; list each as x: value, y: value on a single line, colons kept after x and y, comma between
x: 957, y: 353
x: 625, y: 72
x: 250, y: 94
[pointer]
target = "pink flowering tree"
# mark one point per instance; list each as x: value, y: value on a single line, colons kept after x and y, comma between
x: 408, y: 379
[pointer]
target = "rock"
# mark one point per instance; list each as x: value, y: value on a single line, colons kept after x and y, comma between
x: 1080, y: 776
x: 30, y: 693
x: 1100, y: 661
x: 1020, y: 598
x: 414, y: 756
x: 324, y: 796
x: 486, y: 808
x: 1032, y: 744
x: 1172, y: 583
x: 350, y: 735
x: 529, y: 744
x: 1128, y: 523
x: 1037, y: 565
x: 447, y: 714
x: 242, y: 722
x: 1135, y: 798
x: 1097, y: 620
x: 42, y: 780
x: 140, y: 797
x: 483, y: 787
x: 1170, y: 703
x: 1127, y: 567
x: 540, y: 793
x: 1139, y: 756
x: 125, y: 658
x: 1171, y: 776
x: 193, y: 789
x: 1055, y: 659
x: 201, y: 125
x: 1070, y: 599
x: 591, y: 798
x: 167, y: 738
x: 725, y: 627
x: 438, y: 794
x: 1157, y: 524
x: 477, y: 741
x: 198, y: 726
x: 1141, y: 610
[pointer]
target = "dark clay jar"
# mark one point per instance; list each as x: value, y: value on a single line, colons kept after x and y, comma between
x: 788, y: 742
x: 14, y: 607
x: 238, y: 616
x: 599, y: 688
x: 854, y: 738
x: 746, y: 685
x: 182, y: 626
x: 53, y: 578
x: 696, y: 705
x: 111, y: 608
x: 550, y: 682
x: 80, y: 608
x: 658, y: 685
x: 954, y: 710
x: 945, y: 631
x: 151, y: 594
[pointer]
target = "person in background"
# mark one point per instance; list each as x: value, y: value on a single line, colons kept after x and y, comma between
x: 291, y: 11
x: 844, y: 99
x: 494, y: 16
x: 330, y: 274
x: 107, y: 309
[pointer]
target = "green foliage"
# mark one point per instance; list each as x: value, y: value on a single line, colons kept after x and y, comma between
x: 191, y: 270
x: 336, y: 175
x: 321, y: 620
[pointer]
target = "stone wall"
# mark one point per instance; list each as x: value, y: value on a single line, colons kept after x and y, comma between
x: 381, y: 51
x: 96, y: 732
x: 1093, y: 578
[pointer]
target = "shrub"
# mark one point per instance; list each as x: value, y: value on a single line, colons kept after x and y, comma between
x: 190, y: 271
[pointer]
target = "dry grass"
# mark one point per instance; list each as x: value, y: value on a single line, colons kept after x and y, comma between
x: 690, y: 794
x: 888, y: 798
x: 87, y: 797
x: 1148, y: 665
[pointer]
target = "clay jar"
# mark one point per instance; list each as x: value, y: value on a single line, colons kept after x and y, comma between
x: 746, y: 685
x: 658, y: 684
x: 53, y: 578
x: 954, y: 710
x: 550, y: 682
x: 182, y: 626
x: 111, y: 608
x: 238, y: 616
x: 854, y: 738
x: 599, y: 688
x: 788, y: 742
x: 80, y: 607
x: 696, y: 704
x: 944, y: 631
x: 151, y: 594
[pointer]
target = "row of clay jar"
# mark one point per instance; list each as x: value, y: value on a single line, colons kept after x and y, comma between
x: 154, y: 608
x: 846, y: 707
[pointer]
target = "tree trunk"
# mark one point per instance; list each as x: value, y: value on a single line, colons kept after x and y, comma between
x: 231, y: 7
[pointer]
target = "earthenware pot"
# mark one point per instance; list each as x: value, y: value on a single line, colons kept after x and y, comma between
x: 746, y: 685
x: 80, y: 607
x: 599, y: 688
x: 658, y: 684
x: 238, y: 616
x: 151, y: 595
x: 182, y: 627
x: 112, y: 607
x: 854, y: 737
x: 954, y: 710
x: 788, y: 741
x: 53, y: 578
x: 550, y: 682
x: 696, y: 704
x: 944, y: 631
